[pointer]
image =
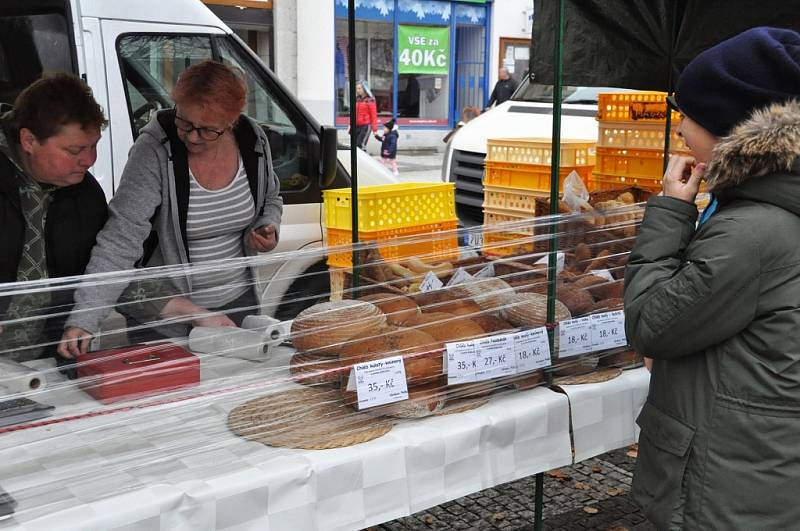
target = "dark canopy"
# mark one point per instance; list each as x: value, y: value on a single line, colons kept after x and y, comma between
x: 642, y: 44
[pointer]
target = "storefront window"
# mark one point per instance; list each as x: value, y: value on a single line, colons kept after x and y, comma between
x: 374, y: 64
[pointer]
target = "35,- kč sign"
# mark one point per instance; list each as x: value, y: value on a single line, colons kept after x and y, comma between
x: 423, y: 50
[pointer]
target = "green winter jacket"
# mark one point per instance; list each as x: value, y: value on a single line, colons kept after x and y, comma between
x: 718, y: 308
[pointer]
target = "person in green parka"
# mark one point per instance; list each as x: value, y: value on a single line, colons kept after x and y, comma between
x: 715, y: 301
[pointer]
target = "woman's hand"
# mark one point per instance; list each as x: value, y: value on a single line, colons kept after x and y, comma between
x: 263, y: 239
x: 74, y: 342
x: 682, y: 179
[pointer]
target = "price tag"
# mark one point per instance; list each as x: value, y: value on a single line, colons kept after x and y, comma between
x: 430, y: 283
x: 608, y: 330
x: 380, y: 382
x: 495, y: 357
x: 486, y: 272
x: 559, y: 262
x: 532, y: 349
x: 460, y: 362
x: 459, y: 277
x: 603, y: 273
x: 574, y: 337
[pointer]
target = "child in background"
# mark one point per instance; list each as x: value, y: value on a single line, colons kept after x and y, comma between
x: 389, y: 145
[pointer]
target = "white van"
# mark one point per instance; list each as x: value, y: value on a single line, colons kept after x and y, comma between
x: 131, y: 52
x: 529, y: 113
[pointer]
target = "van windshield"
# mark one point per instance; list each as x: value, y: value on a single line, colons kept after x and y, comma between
x: 535, y: 92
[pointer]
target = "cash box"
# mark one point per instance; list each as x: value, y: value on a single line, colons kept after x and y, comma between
x: 137, y: 371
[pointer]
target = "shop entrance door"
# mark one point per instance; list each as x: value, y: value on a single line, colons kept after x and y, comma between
x: 470, y: 68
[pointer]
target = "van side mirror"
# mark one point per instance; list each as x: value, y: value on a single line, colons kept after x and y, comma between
x: 328, y: 156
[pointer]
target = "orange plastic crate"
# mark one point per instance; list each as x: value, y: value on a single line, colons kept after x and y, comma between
x: 634, y: 107
x: 540, y: 151
x: 610, y: 181
x: 514, y: 199
x: 630, y: 162
x: 535, y: 177
x: 506, y: 243
x: 637, y: 135
x: 437, y: 242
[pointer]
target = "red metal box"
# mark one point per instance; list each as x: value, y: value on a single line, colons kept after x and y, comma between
x: 136, y: 371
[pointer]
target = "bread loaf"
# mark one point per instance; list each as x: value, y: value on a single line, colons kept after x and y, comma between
x: 423, y: 401
x: 578, y: 301
x: 623, y: 359
x: 529, y: 380
x: 608, y: 290
x: 489, y: 293
x: 530, y: 309
x: 575, y: 365
x: 446, y: 327
x: 397, y: 308
x: 322, y: 328
x: 588, y: 280
x: 311, y: 369
x: 456, y: 307
x: 492, y: 323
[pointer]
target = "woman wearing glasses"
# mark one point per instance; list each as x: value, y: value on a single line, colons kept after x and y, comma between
x: 198, y: 187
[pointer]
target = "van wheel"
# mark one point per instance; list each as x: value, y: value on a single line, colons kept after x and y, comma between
x: 311, y: 288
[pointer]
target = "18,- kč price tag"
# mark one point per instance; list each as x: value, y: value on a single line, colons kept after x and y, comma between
x: 532, y: 349
x: 495, y: 357
x: 608, y: 330
x: 574, y: 337
x: 380, y: 382
x: 460, y: 362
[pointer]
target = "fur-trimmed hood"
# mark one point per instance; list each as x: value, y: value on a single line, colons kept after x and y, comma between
x: 766, y: 143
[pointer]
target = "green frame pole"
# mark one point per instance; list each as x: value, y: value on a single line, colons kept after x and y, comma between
x: 351, y: 59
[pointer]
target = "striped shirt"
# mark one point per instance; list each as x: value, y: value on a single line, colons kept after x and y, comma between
x: 215, y: 226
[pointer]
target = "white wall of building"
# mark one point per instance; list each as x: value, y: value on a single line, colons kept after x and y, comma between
x: 509, y: 18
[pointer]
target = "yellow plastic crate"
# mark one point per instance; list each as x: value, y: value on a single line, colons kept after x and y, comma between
x: 391, y: 206
x: 634, y: 107
x: 440, y: 243
x: 631, y: 162
x: 637, y: 135
x: 534, y: 177
x: 506, y: 243
x: 514, y: 199
x: 539, y: 151
x: 610, y: 181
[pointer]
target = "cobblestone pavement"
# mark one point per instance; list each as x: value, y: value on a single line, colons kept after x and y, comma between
x: 593, y: 494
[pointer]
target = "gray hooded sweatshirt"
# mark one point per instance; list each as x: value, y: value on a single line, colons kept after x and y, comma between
x: 147, y: 200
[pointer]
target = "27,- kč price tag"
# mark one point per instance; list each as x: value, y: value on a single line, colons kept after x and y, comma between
x: 608, y: 330
x: 380, y: 382
x: 532, y: 349
x: 460, y: 362
x: 574, y: 337
x: 495, y: 357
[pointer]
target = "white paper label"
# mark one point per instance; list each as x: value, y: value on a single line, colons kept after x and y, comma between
x: 430, y: 283
x: 575, y: 337
x: 486, y: 272
x: 608, y: 330
x: 351, y: 381
x: 532, y: 349
x: 459, y: 277
x: 380, y: 382
x: 603, y: 273
x: 460, y: 362
x: 559, y: 262
x: 495, y: 357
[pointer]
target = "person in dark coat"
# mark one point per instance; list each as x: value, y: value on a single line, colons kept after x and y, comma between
x: 716, y: 302
x: 51, y: 208
x: 389, y: 145
x: 503, y: 89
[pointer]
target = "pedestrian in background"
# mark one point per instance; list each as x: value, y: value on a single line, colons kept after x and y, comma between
x: 389, y: 145
x: 503, y: 89
x: 717, y: 304
x: 366, y: 114
x: 467, y: 115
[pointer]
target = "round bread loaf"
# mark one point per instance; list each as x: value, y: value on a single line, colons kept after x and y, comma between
x: 578, y: 301
x: 492, y: 323
x: 446, y: 327
x: 311, y: 369
x: 456, y: 307
x: 423, y: 401
x: 489, y: 293
x: 530, y: 309
x: 397, y: 308
x: 430, y: 298
x: 608, y: 290
x: 422, y: 354
x: 322, y: 328
x: 623, y: 359
x: 588, y: 280
x: 608, y: 305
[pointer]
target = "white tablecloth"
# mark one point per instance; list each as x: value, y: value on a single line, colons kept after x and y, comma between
x: 176, y: 466
x: 603, y: 415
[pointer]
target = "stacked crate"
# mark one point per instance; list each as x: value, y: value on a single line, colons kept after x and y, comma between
x: 516, y: 186
x: 394, y: 211
x: 630, y: 144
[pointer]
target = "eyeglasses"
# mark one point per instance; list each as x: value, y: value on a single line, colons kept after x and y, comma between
x: 206, y: 133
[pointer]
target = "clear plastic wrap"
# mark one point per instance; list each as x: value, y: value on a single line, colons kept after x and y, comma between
x: 240, y: 413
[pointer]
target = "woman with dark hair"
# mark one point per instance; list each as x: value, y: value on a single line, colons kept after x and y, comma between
x: 366, y: 114
x: 198, y: 187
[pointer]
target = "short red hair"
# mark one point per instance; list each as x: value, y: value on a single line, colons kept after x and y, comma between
x: 213, y: 86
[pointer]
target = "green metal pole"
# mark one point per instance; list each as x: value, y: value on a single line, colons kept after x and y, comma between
x: 552, y: 259
x: 351, y: 69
